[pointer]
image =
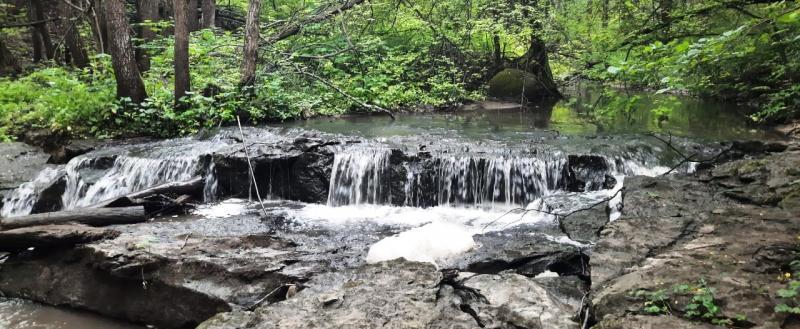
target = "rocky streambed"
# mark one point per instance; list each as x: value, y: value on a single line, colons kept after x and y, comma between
x: 414, y: 231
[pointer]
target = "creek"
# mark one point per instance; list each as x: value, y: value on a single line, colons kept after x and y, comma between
x: 425, y: 187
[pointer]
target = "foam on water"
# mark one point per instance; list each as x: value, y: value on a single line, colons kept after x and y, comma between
x: 428, y: 243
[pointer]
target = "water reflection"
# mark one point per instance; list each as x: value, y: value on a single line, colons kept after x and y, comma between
x: 586, y: 110
x: 20, y: 314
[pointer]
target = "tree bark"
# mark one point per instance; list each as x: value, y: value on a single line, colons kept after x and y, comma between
x: 42, y: 45
x: 194, y: 22
x: 147, y: 11
x: 100, y: 29
x: 181, y: 53
x: 251, y: 31
x: 88, y: 216
x: 126, y: 70
x: 8, y: 62
x: 209, y: 13
x: 72, y: 38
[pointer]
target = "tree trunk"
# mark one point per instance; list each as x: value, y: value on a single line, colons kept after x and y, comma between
x: 100, y: 29
x: 8, y: 62
x: 209, y: 13
x: 148, y: 13
x: 72, y: 37
x: 251, y: 30
x: 88, y: 216
x: 536, y: 62
x: 498, y: 51
x: 605, y: 13
x: 38, y: 11
x: 194, y: 22
x: 126, y: 71
x: 182, y: 82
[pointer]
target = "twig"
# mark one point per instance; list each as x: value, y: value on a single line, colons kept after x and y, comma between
x: 263, y: 299
x: 690, y: 158
x: 250, y: 165
x: 186, y: 240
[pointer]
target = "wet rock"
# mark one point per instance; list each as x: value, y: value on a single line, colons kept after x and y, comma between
x: 510, y: 300
x: 402, y: 294
x: 585, y: 225
x: 396, y: 294
x: 758, y: 147
x: 52, y: 236
x: 588, y: 173
x: 524, y: 252
x: 49, y: 198
x: 310, y: 177
x: 19, y: 163
x: 73, y: 148
x: 676, y: 232
x: 772, y: 180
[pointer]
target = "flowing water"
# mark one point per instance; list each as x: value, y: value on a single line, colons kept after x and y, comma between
x: 20, y: 314
x: 440, y: 178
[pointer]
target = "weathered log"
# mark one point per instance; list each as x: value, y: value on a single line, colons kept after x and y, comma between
x: 52, y: 236
x: 88, y: 216
x: 193, y: 186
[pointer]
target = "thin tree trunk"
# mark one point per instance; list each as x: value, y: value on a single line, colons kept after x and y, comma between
x: 498, y: 52
x: 209, y: 13
x: 251, y: 30
x: 100, y: 27
x: 72, y: 38
x: 37, y: 10
x: 148, y: 13
x: 182, y: 83
x: 605, y: 13
x: 126, y: 71
x: 194, y: 22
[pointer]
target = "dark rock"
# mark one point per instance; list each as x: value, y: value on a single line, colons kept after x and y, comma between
x: 52, y: 236
x: 72, y: 149
x: 758, y: 147
x: 19, y: 163
x: 310, y: 177
x: 49, y: 198
x: 585, y: 225
x: 588, y: 173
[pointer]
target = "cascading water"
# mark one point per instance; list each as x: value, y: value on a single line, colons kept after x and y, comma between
x: 510, y: 180
x: 127, y: 174
x: 358, y: 177
x: 21, y: 201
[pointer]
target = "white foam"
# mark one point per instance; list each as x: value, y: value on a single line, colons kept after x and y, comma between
x: 429, y: 243
x: 224, y: 209
x: 475, y: 219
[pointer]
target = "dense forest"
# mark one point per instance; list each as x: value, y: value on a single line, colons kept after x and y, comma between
x: 109, y: 68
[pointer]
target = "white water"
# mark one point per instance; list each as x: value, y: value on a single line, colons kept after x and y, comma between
x: 358, y: 177
x: 21, y: 201
x: 127, y: 174
x: 429, y: 243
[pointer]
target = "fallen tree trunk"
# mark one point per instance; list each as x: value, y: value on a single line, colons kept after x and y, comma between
x: 193, y: 186
x: 88, y: 216
x: 52, y: 236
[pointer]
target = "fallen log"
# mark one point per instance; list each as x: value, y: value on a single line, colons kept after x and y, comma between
x: 52, y: 236
x: 193, y: 186
x: 88, y: 216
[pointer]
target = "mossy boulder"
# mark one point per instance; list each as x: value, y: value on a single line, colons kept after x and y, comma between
x: 513, y: 83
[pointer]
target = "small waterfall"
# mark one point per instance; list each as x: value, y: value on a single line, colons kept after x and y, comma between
x: 20, y: 202
x: 127, y: 174
x: 211, y: 183
x: 358, y: 177
x: 509, y: 180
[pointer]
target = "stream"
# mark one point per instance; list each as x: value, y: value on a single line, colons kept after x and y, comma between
x: 429, y: 187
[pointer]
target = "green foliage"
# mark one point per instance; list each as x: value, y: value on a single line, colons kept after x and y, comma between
x: 701, y: 305
x: 789, y: 296
x: 58, y: 99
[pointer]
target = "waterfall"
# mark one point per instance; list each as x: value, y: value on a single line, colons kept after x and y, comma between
x: 211, y: 183
x: 466, y: 180
x: 127, y: 174
x: 358, y: 177
x: 20, y: 202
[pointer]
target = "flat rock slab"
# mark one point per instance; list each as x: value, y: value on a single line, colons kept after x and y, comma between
x: 677, y: 232
x: 19, y: 163
x: 51, y: 236
x: 402, y: 294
